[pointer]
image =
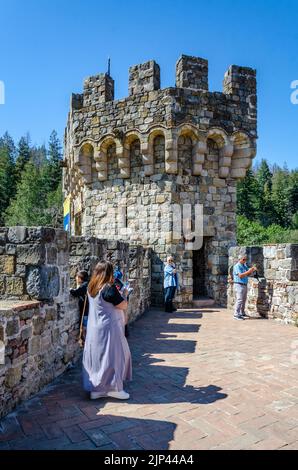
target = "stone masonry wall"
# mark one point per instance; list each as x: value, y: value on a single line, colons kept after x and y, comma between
x: 39, y: 320
x: 275, y: 295
x: 134, y: 262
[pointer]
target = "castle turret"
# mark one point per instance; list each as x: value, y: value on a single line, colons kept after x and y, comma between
x: 143, y: 168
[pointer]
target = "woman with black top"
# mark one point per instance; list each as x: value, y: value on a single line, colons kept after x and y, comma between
x: 106, y: 358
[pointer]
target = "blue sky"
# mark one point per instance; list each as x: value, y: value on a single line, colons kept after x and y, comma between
x: 49, y: 46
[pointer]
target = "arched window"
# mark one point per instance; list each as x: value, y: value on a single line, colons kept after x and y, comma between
x: 136, y: 163
x: 86, y: 163
x: 113, y: 167
x: 212, y: 157
x: 185, y: 151
x: 159, y: 154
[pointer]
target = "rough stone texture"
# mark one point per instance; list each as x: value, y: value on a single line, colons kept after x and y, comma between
x: 275, y: 295
x: 35, y: 352
x: 129, y: 163
x: 192, y: 72
x: 40, y: 339
x: 34, y: 263
x: 43, y: 282
x: 134, y: 262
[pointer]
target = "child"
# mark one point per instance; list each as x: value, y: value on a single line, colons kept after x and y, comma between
x: 121, y: 287
x: 81, y: 293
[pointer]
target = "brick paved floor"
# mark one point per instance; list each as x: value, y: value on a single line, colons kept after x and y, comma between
x: 201, y: 381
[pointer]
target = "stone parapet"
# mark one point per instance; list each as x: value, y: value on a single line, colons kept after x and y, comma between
x: 39, y: 320
x: 275, y: 294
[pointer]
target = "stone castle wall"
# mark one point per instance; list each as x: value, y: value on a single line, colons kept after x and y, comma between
x: 157, y: 148
x: 275, y: 295
x: 134, y: 262
x: 39, y: 320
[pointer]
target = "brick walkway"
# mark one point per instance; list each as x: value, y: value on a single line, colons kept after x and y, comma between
x: 201, y: 381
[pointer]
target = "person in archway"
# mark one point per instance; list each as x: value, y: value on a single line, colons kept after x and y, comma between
x: 106, y: 358
x: 170, y: 284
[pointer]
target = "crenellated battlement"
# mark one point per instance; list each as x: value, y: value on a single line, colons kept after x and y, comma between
x: 98, y: 122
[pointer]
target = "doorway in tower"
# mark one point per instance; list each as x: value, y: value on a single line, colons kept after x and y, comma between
x: 201, y: 271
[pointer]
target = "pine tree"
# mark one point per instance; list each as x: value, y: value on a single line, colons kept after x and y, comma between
x: 293, y: 195
x: 7, y: 142
x: 39, y: 155
x: 53, y: 169
x: 29, y: 205
x: 7, y: 182
x: 7, y: 173
x: 247, y: 196
x: 23, y: 156
x: 280, y: 198
x: 265, y: 209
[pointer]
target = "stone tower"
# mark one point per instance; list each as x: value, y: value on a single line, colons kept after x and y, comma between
x: 130, y: 163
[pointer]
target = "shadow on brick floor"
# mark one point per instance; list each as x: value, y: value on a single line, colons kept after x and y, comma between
x: 62, y: 416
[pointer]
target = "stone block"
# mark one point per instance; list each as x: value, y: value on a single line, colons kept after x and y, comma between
x: 51, y: 256
x: 12, y: 327
x: 34, y: 345
x: 14, y: 286
x: 62, y: 240
x: 38, y: 325
x: 20, y: 270
x: 43, y: 282
x: 41, y: 234
x: 2, y: 284
x: 270, y: 251
x: 17, y: 234
x: 13, y: 376
x: 8, y: 265
x: 11, y: 249
x: 33, y: 254
x: 3, y: 235
x: 26, y: 333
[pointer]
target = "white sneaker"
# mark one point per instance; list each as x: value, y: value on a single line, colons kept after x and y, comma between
x: 119, y: 395
x: 96, y: 395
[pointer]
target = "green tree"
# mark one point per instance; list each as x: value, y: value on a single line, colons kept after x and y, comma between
x: 247, y: 196
x: 28, y: 206
x: 39, y: 155
x: 23, y: 156
x: 293, y: 193
x: 55, y: 207
x: 7, y: 180
x: 265, y: 209
x: 280, y: 198
x: 7, y: 142
x: 53, y: 169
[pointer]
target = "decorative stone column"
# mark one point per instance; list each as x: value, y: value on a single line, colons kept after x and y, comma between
x: 171, y: 152
x: 147, y: 156
x: 199, y: 151
x: 225, y: 154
